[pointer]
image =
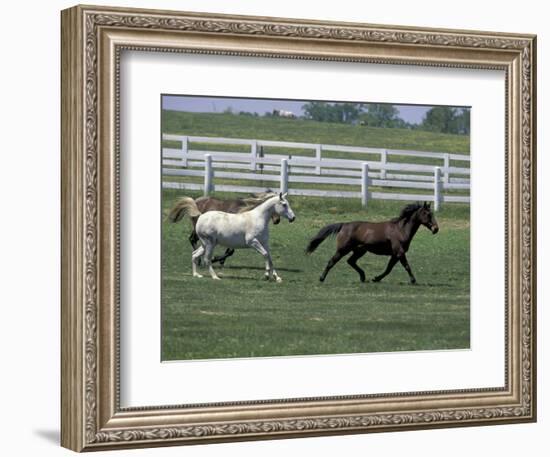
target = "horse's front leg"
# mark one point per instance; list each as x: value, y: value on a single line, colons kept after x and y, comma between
x: 405, y: 263
x: 269, y: 270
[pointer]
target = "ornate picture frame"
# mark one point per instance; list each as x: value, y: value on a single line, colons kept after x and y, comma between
x: 93, y: 39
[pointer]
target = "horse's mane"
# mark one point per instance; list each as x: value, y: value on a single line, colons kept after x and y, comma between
x: 407, y: 212
x: 255, y: 200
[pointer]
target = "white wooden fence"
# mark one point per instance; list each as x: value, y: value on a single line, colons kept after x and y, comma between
x: 285, y: 169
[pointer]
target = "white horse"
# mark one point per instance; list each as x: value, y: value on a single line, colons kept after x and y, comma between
x: 248, y: 229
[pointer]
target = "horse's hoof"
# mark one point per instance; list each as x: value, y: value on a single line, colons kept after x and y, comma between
x: 321, y: 279
x: 376, y: 279
x: 197, y: 275
x: 279, y: 280
x: 413, y: 282
x: 216, y: 278
x: 266, y: 277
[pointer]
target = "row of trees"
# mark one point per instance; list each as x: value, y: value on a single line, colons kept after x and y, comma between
x: 438, y: 119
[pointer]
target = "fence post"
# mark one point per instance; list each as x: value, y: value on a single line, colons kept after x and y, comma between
x: 446, y: 164
x: 284, y: 176
x: 364, y: 184
x: 318, y: 149
x: 384, y: 161
x: 253, y: 154
x: 438, y: 185
x: 184, y: 150
x: 208, y: 175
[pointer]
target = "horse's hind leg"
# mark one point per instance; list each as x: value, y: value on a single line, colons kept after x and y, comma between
x: 194, y: 258
x: 333, y: 261
x: 194, y: 238
x: 352, y: 262
x: 208, y: 251
x: 221, y: 259
x: 387, y: 271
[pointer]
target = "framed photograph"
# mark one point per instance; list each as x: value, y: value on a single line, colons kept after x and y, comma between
x: 276, y: 228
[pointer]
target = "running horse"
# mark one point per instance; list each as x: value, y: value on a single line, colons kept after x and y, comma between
x: 233, y: 206
x: 391, y: 238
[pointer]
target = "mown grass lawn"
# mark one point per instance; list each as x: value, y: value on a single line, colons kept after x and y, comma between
x: 244, y: 316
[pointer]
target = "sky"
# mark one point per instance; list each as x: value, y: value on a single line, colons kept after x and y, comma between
x: 409, y: 113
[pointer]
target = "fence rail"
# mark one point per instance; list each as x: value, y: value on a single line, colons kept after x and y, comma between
x: 285, y: 168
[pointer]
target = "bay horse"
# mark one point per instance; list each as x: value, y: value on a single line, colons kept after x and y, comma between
x: 234, y: 205
x: 246, y: 229
x: 391, y: 238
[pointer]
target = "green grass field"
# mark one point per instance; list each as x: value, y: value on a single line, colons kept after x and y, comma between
x: 244, y: 316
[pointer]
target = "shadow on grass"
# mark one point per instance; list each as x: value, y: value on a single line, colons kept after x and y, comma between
x: 239, y: 267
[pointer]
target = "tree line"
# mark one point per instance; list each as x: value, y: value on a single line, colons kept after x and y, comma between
x: 441, y: 119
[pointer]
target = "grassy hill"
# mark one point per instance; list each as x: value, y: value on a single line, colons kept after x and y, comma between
x: 280, y: 129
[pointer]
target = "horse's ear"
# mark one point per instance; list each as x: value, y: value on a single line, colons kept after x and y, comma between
x: 426, y: 205
x: 285, y: 194
x: 280, y: 195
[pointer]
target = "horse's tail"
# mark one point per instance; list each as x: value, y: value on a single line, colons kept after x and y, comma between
x: 184, y: 206
x: 323, y: 234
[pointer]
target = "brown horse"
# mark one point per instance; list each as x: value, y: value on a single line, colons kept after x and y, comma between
x: 206, y: 204
x: 391, y: 238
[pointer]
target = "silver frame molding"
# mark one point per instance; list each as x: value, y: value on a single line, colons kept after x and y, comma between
x: 92, y: 41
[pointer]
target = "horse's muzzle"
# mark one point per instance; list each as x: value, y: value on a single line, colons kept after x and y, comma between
x: 292, y: 219
x: 434, y: 229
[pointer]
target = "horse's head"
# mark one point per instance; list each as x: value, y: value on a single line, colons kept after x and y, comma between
x: 261, y: 197
x: 282, y: 208
x: 427, y: 218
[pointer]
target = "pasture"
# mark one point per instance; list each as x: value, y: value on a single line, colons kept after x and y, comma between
x: 301, y: 130
x: 244, y: 316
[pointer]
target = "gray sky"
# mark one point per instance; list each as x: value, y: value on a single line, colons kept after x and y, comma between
x: 409, y: 113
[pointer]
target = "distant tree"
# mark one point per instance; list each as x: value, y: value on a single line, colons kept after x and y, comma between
x: 445, y: 119
x: 439, y: 119
x: 228, y: 110
x: 462, y: 123
x: 332, y: 112
x: 347, y: 112
x: 318, y: 111
x: 382, y: 115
